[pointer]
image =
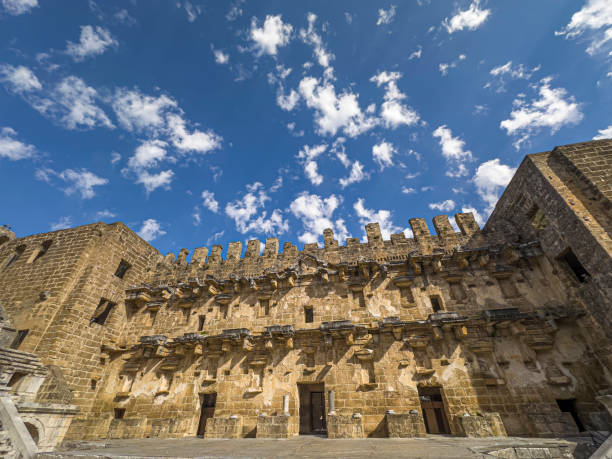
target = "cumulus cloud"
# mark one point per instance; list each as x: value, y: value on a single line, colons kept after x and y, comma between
x: 469, y: 19
x: 151, y: 182
x: 334, y: 112
x: 393, y: 112
x: 444, y: 206
x: 220, y: 56
x: 17, y: 7
x: 287, y: 101
x: 605, y: 133
x: 77, y: 181
x: 383, y: 154
x: 196, y: 141
x: 209, y: 201
x: 273, y: 35
x: 382, y: 217
x: 92, y: 42
x: 594, y: 21
x: 509, y: 70
x: 148, y: 155
x: 62, y: 223
x: 316, y: 214
x: 14, y: 149
x: 552, y: 108
x: 244, y: 213
x: 490, y: 179
x: 385, y: 16
x: 19, y: 79
x: 139, y: 112
x: 356, y: 175
x: 453, y: 149
x: 307, y: 155
x: 311, y: 37
x: 150, y: 230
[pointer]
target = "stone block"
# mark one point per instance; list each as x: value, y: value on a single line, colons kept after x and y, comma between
x: 275, y: 427
x: 487, y: 425
x: 344, y: 426
x: 405, y: 425
x: 230, y: 427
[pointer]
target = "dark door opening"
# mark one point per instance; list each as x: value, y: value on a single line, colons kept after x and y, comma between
x: 312, y: 409
x: 208, y: 411
x: 569, y: 406
x: 433, y: 410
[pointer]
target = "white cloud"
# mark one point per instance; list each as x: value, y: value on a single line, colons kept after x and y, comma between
x: 382, y: 217
x: 490, y: 178
x: 444, y: 67
x: 19, y: 79
x: 334, y: 112
x: 148, y: 154
x: 289, y: 101
x: 273, y: 35
x: 386, y: 16
x: 453, y: 149
x: 316, y: 214
x: 193, y: 11
x: 383, y: 154
x: 595, y: 21
x: 310, y: 37
x: 605, y: 133
x: 220, y: 56
x: 82, y: 181
x: 393, y: 112
x: 469, y: 19
x: 244, y: 210
x: 63, y: 223
x: 509, y: 70
x: 139, y: 112
x: 416, y: 54
x: 295, y: 132
x: 150, y: 230
x: 444, y: 206
x: 92, y: 42
x: 17, y: 7
x: 408, y: 190
x: 209, y: 201
x: 312, y: 172
x: 105, y: 214
x: 215, y: 237
x: 235, y: 11
x: 153, y: 181
x: 115, y: 157
x: 356, y: 175
x: 197, y: 141
x: 12, y: 148
x: 553, y: 109
x: 74, y: 103
x: 308, y: 155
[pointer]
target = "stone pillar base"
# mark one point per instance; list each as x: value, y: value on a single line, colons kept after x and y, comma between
x: 487, y: 425
x: 405, y: 425
x: 223, y: 427
x: 340, y: 426
x: 275, y: 427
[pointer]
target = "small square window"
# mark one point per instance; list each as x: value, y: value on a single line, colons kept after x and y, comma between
x: 122, y: 269
x: 102, y: 312
x: 119, y: 413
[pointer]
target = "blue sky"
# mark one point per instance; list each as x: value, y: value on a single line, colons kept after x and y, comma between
x: 201, y: 122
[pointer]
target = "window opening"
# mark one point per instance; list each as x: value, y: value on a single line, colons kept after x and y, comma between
x: 201, y: 322
x: 122, y: 269
x: 435, y: 303
x: 42, y: 251
x: 21, y: 335
x: 102, y: 311
x: 574, y: 264
x: 308, y: 315
x: 18, y: 252
x: 569, y: 406
x: 119, y: 413
x: 264, y: 307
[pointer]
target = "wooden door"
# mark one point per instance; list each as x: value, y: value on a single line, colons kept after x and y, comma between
x: 208, y: 411
x: 317, y: 413
x: 433, y: 413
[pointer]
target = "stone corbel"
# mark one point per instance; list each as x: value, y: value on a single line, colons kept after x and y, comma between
x: 223, y: 298
x: 212, y: 289
x: 291, y: 278
x: 483, y: 260
x: 417, y: 341
x: 253, y: 285
x: 324, y: 276
x: 247, y: 344
x: 460, y: 331
x: 415, y: 264
x: 349, y: 337
x: 364, y: 354
x: 511, y: 255
x: 436, y: 264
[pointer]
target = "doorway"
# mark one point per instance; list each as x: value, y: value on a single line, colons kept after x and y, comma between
x: 569, y: 406
x: 434, y: 414
x: 312, y: 409
x: 208, y: 411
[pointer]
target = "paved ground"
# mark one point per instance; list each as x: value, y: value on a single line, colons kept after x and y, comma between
x: 316, y: 447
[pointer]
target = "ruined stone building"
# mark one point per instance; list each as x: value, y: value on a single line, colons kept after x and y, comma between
x: 505, y: 329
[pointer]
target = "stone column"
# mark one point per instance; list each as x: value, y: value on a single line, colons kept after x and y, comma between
x: 286, y: 405
x: 332, y: 402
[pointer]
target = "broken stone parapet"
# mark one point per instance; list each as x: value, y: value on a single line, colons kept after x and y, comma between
x: 485, y: 425
x: 344, y: 426
x: 405, y: 425
x: 230, y: 427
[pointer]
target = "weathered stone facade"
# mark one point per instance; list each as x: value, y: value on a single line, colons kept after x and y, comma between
x: 504, y: 330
